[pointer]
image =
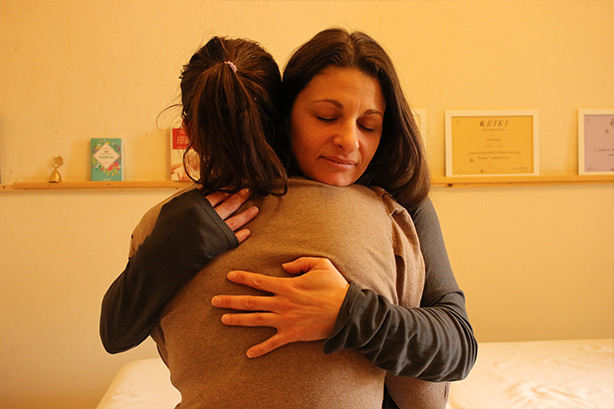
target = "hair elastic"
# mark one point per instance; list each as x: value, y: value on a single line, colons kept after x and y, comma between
x: 232, y: 65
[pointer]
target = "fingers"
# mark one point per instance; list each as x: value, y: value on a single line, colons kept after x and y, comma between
x: 226, y: 204
x: 244, y: 302
x: 267, y: 346
x: 258, y: 281
x: 256, y: 319
x: 240, y: 220
x: 217, y: 197
x: 242, y: 235
x: 303, y: 264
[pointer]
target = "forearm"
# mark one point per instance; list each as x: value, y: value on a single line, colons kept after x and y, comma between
x: 430, y: 343
x: 132, y: 304
x: 187, y: 235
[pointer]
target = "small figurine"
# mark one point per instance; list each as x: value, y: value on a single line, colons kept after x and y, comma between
x: 55, y: 175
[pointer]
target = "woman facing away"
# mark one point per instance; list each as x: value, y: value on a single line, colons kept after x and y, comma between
x: 436, y: 340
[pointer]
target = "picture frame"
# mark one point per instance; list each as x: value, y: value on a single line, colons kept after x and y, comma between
x: 178, y: 144
x: 492, y: 142
x: 596, y: 141
x: 420, y: 118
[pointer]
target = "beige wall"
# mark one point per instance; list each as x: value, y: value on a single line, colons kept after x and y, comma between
x: 535, y: 262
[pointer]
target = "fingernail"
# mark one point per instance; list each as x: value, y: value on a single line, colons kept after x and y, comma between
x: 232, y: 275
x: 215, y: 301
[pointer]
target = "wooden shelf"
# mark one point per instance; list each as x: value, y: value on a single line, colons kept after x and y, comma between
x: 87, y: 185
x: 482, y: 181
x: 439, y: 181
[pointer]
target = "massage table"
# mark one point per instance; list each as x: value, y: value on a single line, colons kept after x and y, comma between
x: 538, y: 374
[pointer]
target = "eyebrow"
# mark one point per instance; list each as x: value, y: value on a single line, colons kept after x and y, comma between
x: 340, y: 105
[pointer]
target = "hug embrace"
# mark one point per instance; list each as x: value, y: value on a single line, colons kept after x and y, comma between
x: 340, y: 294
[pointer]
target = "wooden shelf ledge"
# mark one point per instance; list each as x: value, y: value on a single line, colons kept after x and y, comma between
x: 438, y: 181
x: 87, y: 185
x: 477, y: 181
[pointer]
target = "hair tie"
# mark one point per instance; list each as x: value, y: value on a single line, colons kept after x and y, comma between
x: 232, y: 65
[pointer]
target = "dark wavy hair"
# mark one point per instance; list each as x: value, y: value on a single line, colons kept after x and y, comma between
x: 230, y: 94
x: 399, y: 164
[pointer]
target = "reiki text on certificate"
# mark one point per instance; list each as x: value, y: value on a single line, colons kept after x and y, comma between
x: 492, y: 143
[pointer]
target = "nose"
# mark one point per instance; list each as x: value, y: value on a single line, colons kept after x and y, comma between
x: 347, y: 137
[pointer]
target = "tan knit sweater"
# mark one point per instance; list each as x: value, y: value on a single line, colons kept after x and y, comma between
x: 367, y: 236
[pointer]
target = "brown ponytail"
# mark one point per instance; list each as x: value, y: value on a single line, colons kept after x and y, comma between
x: 230, y: 93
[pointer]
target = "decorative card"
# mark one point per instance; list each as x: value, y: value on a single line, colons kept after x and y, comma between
x: 179, y: 142
x: 596, y: 141
x: 492, y: 143
x: 106, y: 157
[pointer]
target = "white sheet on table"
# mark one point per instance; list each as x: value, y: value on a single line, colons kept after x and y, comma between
x: 542, y: 374
x: 143, y: 384
x: 536, y: 375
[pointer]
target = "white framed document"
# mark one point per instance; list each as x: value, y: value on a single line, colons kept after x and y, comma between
x: 492, y: 143
x: 596, y: 141
x: 420, y: 118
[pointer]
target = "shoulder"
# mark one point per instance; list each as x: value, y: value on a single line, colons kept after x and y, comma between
x: 148, y: 221
x: 425, y: 216
x: 356, y: 198
x: 392, y: 206
x: 401, y: 219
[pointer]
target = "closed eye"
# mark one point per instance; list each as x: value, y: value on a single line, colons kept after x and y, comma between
x: 326, y: 119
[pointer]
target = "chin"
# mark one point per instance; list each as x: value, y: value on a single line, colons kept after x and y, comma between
x: 336, y: 181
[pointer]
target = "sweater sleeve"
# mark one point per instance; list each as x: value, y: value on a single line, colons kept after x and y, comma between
x: 167, y: 258
x: 434, y: 342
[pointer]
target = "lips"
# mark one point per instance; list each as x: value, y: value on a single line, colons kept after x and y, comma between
x: 340, y: 161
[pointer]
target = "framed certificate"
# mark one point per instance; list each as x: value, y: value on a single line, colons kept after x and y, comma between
x: 596, y: 141
x: 492, y: 143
